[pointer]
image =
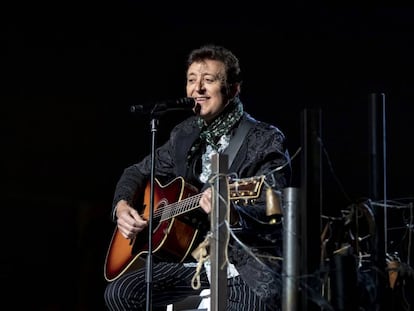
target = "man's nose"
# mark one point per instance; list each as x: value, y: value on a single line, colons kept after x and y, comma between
x: 200, y: 86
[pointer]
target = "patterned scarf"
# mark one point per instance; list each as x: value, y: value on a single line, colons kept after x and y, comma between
x: 210, y: 134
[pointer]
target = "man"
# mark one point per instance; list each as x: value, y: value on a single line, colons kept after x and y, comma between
x: 254, y: 282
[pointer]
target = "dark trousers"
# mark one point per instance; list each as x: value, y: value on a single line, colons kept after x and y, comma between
x: 171, y: 282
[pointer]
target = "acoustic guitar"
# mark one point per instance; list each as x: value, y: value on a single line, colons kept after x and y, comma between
x: 171, y: 237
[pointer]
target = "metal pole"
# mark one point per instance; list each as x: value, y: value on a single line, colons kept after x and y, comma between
x: 290, y: 249
x: 220, y: 201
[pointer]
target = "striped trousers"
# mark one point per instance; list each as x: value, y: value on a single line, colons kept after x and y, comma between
x: 171, y: 282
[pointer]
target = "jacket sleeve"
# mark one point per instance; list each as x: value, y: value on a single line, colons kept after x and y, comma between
x: 265, y: 155
x: 133, y: 180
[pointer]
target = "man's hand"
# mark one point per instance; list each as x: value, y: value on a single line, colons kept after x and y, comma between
x: 129, y: 222
x: 205, y: 201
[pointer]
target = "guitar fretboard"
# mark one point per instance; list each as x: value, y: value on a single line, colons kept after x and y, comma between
x: 177, y: 208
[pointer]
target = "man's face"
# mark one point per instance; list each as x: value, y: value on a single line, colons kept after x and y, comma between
x: 205, y: 82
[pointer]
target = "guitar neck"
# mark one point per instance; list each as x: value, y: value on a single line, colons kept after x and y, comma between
x: 247, y: 188
x: 178, y: 208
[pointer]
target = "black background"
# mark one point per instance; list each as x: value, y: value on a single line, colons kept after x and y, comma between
x: 71, y: 70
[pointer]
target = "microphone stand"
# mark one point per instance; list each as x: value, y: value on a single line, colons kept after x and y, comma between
x: 155, y: 113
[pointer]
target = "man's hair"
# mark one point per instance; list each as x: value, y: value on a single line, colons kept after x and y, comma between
x: 219, y: 53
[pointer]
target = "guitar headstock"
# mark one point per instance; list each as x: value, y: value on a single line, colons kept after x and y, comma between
x: 246, y: 188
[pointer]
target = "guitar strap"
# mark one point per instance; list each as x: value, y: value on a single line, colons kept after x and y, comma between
x: 238, y: 138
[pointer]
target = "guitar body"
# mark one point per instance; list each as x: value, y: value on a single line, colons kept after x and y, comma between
x: 172, y: 239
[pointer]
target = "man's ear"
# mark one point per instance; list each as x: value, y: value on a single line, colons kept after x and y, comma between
x: 233, y: 90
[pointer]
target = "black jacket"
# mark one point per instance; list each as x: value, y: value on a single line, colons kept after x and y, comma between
x: 263, y: 152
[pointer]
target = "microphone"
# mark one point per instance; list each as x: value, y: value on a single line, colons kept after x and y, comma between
x: 185, y: 103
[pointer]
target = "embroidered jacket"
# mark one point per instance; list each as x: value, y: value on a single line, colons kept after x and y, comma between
x: 263, y: 152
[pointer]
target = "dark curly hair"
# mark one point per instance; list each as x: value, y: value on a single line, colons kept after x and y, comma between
x: 219, y: 53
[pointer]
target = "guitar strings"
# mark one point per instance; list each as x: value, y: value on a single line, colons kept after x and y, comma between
x: 171, y: 210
